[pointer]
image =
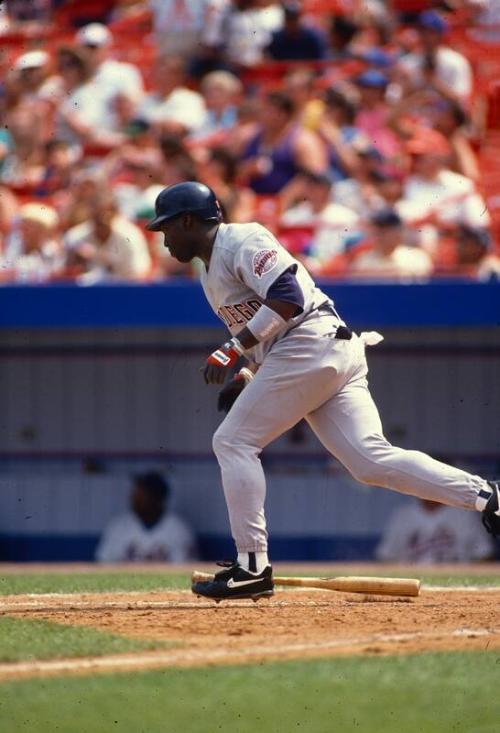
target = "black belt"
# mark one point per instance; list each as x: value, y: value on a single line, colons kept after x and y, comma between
x: 342, y: 332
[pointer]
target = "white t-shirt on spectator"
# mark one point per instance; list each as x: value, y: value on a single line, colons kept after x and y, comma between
x: 243, y: 33
x: 450, y: 196
x: 118, y: 77
x: 334, y: 226
x: 178, y: 24
x: 404, y: 263
x: 31, y: 267
x: 452, y: 70
x: 182, y: 105
x: 127, y: 539
x: 94, y: 100
x: 113, y: 79
x: 415, y: 535
x: 124, y: 255
x: 90, y: 102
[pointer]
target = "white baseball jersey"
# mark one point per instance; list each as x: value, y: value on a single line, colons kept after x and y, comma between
x: 246, y: 260
x: 127, y: 539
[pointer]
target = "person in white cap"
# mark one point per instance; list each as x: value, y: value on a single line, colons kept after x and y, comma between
x: 32, y: 76
x: 33, y: 250
x: 115, y: 77
x: 84, y: 115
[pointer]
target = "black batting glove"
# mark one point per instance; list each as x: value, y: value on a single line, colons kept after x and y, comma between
x: 228, y: 394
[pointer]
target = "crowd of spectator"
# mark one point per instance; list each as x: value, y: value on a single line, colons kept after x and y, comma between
x: 349, y: 128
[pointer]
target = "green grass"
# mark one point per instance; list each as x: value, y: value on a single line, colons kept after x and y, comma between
x: 23, y: 640
x: 454, y: 580
x: 120, y: 581
x: 428, y: 693
x: 91, y: 582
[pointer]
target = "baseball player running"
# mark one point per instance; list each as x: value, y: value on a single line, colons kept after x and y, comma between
x: 303, y: 362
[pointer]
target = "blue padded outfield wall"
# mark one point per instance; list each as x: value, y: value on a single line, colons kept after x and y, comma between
x: 182, y: 303
x: 99, y: 382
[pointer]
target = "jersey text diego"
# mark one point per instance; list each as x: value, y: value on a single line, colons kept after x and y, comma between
x: 239, y: 313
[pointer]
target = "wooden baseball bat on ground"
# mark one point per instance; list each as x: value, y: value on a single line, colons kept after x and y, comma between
x: 349, y: 584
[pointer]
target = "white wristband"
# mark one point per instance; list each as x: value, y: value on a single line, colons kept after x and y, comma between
x: 266, y: 323
x: 247, y: 374
x: 237, y: 346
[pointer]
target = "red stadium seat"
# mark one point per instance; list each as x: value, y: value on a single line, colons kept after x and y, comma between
x: 295, y: 239
x: 326, y: 7
x: 270, y: 73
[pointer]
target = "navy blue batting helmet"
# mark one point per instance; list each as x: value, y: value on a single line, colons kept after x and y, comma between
x: 185, y: 198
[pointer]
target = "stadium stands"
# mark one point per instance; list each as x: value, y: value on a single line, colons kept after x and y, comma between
x: 82, y: 110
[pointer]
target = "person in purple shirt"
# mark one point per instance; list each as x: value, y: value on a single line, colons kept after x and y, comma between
x: 280, y: 148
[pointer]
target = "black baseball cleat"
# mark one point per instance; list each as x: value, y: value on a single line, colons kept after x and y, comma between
x: 491, y: 512
x: 236, y: 582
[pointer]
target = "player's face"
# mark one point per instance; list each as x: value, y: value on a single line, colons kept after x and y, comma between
x: 178, y: 239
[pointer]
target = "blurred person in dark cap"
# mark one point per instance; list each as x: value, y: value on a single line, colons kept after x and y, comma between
x: 389, y: 257
x: 343, y: 31
x: 148, y: 532
x: 374, y: 111
x: 474, y: 253
x: 296, y: 41
x: 435, y: 64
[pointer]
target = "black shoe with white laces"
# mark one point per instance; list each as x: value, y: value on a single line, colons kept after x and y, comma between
x: 491, y: 512
x: 236, y: 582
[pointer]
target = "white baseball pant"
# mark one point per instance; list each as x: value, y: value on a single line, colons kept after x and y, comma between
x: 310, y: 374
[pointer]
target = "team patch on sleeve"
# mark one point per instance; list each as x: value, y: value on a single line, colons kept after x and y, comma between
x: 264, y: 261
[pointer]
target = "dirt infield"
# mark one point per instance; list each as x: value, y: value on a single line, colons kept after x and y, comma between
x: 293, y: 624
